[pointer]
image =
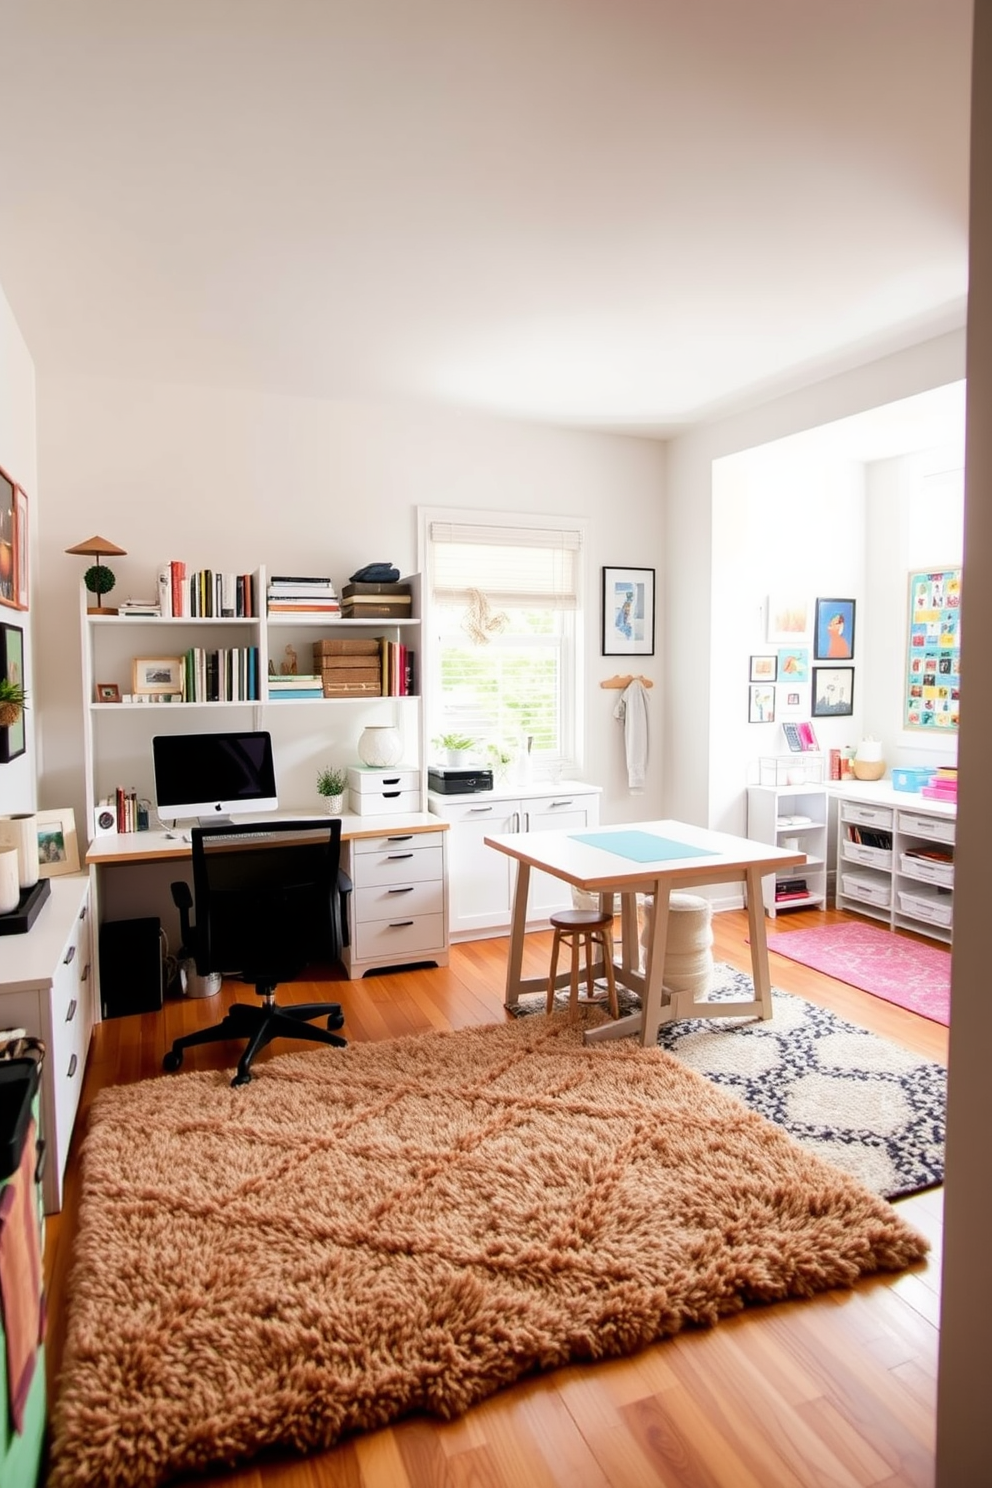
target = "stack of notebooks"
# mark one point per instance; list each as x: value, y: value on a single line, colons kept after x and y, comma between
x: 790, y: 890
x: 302, y: 594
x: 943, y: 786
x: 286, y: 687
x: 376, y: 601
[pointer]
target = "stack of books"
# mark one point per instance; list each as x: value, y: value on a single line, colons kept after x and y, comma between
x: 376, y: 601
x: 789, y: 890
x: 204, y: 594
x: 349, y: 668
x: 295, y: 685
x: 302, y: 594
x: 943, y: 786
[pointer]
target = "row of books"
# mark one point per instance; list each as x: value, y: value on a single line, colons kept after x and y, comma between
x: 302, y: 594
x: 205, y: 593
x: 790, y: 889
x: 868, y: 837
x: 223, y: 675
x: 132, y: 814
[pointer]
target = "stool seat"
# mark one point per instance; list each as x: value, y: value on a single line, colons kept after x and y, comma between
x: 578, y: 928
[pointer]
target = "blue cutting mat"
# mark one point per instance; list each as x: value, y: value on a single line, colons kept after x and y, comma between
x: 642, y: 847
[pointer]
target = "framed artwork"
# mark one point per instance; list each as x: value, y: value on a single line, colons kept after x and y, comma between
x: 13, y: 739
x: 157, y: 674
x: 8, y: 542
x: 833, y: 636
x: 792, y: 701
x: 764, y: 668
x: 20, y: 548
x: 761, y: 704
x: 787, y: 620
x: 628, y: 611
x: 108, y: 692
x: 833, y: 692
x: 932, y: 684
x: 793, y: 664
x: 58, y: 849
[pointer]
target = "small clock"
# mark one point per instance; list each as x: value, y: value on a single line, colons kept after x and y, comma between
x: 104, y: 821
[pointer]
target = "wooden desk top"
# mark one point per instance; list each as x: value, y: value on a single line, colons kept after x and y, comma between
x: 160, y: 846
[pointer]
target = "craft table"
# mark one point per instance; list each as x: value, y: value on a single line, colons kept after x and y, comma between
x: 646, y: 858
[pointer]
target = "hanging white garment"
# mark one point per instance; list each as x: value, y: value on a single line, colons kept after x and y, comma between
x: 632, y: 709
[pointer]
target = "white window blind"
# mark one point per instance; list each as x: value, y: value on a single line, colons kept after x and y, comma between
x: 504, y: 600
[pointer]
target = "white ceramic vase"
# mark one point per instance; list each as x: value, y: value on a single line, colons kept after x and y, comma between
x: 21, y: 832
x: 10, y: 888
x: 380, y: 745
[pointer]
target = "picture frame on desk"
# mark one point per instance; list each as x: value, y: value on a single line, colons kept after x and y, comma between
x: 58, y: 847
x: 158, y: 675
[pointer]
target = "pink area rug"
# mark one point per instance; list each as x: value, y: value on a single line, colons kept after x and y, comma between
x: 900, y: 970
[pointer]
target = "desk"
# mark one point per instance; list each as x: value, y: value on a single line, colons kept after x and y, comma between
x: 587, y: 864
x: 130, y: 875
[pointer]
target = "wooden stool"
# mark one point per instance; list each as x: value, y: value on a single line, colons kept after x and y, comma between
x: 577, y: 927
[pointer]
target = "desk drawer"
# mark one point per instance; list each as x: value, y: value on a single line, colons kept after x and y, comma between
x: 399, y: 901
x: 402, y: 864
x: 400, y: 936
x: 391, y: 842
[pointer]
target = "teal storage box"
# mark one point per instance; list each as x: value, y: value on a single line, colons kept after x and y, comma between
x: 912, y: 779
x: 20, y: 1451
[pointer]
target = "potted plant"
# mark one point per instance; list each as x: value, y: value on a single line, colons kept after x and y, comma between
x: 331, y: 783
x: 500, y: 758
x: 13, y: 699
x: 455, y: 747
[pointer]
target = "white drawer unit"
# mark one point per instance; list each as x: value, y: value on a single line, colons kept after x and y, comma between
x: 398, y: 905
x: 482, y: 880
x: 906, y: 844
x: 48, y: 990
x: 373, y: 792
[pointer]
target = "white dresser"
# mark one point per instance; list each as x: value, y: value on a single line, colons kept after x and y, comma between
x: 46, y: 988
x: 482, y: 880
x: 895, y: 857
x: 398, y: 911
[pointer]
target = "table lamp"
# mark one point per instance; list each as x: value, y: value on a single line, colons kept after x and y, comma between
x: 99, y: 580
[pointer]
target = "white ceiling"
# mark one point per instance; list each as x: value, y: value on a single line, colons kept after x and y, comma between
x: 626, y: 214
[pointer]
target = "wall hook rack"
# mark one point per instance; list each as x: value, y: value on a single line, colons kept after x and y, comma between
x: 621, y: 682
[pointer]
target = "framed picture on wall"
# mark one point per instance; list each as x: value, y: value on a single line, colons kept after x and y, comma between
x: 13, y: 740
x: 8, y: 542
x: 761, y: 704
x: 787, y: 620
x: 833, y: 636
x: 20, y: 548
x: 628, y: 611
x: 764, y: 668
x: 833, y: 692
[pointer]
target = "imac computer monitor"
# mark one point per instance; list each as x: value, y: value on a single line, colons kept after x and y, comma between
x: 213, y: 776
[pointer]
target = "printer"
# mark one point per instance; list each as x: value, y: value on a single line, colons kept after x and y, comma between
x: 448, y: 781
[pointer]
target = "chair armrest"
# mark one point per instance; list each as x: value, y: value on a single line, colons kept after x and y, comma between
x: 182, y: 898
x: 339, y: 910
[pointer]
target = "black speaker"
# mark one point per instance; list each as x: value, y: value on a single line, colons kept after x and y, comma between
x: 130, y: 967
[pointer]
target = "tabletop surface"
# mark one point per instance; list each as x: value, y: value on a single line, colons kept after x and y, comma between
x: 160, y: 846
x: 574, y: 857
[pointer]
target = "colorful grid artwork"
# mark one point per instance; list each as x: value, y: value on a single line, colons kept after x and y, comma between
x: 933, y: 660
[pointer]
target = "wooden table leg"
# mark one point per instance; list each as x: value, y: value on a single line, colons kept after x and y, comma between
x: 760, y: 972
x: 655, y: 970
x: 518, y: 926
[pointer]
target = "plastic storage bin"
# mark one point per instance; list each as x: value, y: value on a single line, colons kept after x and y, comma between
x: 869, y: 890
x: 912, y: 779
x: 805, y: 768
x: 926, y: 907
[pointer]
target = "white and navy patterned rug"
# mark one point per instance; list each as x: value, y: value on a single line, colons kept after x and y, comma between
x: 858, y: 1100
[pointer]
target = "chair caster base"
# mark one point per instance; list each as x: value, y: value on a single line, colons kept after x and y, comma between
x: 173, y: 1059
x: 242, y: 1079
x: 336, y: 1020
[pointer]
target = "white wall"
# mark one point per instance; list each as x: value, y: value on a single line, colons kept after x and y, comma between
x: 696, y: 781
x: 226, y: 479
x: 17, y: 456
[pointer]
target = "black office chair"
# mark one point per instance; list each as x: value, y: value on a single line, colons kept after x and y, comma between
x: 268, y: 900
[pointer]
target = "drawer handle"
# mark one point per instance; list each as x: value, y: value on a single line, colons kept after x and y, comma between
x: 72, y: 1011
x: 73, y: 1062
x: 86, y: 973
x: 399, y: 857
x: 391, y: 795
x: 84, y: 911
x: 39, y: 1159
x: 391, y: 780
x: 562, y: 803
x: 406, y: 837
x: 407, y: 890
x: 478, y: 809
x: 69, y: 955
x: 400, y: 924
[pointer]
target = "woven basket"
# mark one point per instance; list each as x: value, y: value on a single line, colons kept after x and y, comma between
x: 868, y: 769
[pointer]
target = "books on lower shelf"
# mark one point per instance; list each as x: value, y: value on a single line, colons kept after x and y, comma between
x: 227, y: 674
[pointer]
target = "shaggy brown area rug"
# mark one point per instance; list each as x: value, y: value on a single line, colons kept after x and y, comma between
x: 410, y: 1226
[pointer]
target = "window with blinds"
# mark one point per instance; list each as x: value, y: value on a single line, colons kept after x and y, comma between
x: 504, y: 608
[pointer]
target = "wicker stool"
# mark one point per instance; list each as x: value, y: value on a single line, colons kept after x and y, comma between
x: 577, y: 927
x: 688, y: 957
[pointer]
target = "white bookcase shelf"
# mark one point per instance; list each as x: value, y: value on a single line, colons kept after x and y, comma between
x: 780, y: 814
x: 895, y: 858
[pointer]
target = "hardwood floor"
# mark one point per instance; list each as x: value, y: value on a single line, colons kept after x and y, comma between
x: 839, y: 1390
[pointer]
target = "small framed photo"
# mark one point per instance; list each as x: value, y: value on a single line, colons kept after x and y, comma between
x: 157, y: 674
x: 628, y: 611
x: 761, y: 704
x: 833, y: 638
x: 764, y: 668
x: 58, y: 850
x: 792, y: 701
x: 833, y: 692
x: 787, y: 620
x: 108, y: 692
x: 20, y: 548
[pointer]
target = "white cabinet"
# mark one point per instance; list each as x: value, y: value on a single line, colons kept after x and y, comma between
x: 307, y: 733
x: 481, y: 880
x: 895, y: 858
x: 397, y: 908
x: 47, y: 989
x: 781, y: 816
